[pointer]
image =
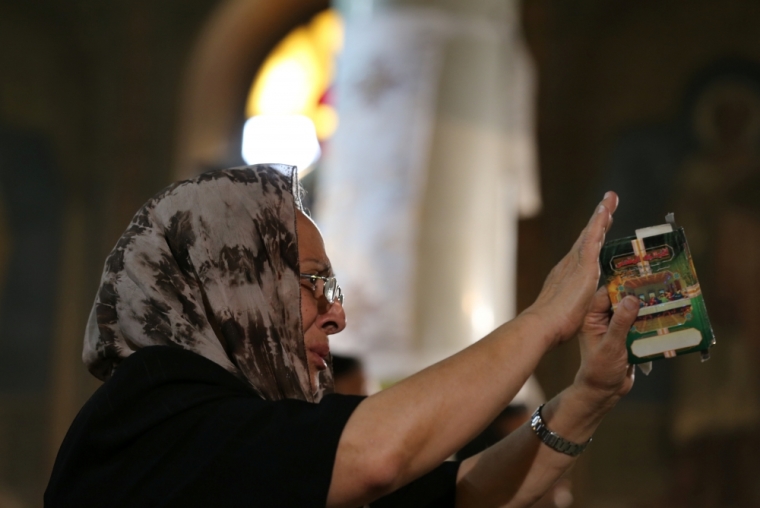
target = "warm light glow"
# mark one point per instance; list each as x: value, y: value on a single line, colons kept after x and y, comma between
x: 327, y: 31
x: 290, y: 80
x: 298, y: 72
x: 325, y: 121
x: 285, y: 139
x: 482, y: 320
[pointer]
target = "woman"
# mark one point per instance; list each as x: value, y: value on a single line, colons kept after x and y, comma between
x: 217, y: 388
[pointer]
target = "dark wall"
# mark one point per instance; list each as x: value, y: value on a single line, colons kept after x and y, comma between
x: 657, y: 99
x: 88, y: 105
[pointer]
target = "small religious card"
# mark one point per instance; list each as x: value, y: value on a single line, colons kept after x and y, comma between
x: 655, y: 266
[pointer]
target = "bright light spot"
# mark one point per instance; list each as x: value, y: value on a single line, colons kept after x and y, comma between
x: 287, y: 88
x: 285, y: 139
x: 298, y: 72
x: 482, y: 320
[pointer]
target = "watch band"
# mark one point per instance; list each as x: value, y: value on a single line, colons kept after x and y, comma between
x: 552, y: 439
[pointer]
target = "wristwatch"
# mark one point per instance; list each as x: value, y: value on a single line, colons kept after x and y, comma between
x: 552, y: 439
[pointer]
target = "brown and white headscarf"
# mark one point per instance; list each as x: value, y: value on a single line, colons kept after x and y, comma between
x: 211, y: 265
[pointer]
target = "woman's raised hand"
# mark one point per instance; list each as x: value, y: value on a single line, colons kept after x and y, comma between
x: 605, y: 373
x: 566, y: 296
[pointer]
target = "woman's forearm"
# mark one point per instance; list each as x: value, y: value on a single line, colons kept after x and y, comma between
x: 519, y: 469
x: 403, y: 432
x: 407, y: 430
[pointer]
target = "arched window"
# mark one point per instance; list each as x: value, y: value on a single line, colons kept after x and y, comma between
x: 289, y: 108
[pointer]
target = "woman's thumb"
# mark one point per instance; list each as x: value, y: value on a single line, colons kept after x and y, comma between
x: 626, y: 313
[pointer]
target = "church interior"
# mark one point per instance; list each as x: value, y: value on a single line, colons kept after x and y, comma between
x: 455, y: 146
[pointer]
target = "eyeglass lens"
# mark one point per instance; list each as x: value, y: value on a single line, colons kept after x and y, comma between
x: 330, y: 285
x: 330, y: 288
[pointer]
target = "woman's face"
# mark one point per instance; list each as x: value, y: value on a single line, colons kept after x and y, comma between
x: 320, y: 318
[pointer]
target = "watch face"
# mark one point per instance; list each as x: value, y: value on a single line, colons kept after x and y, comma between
x: 535, y: 420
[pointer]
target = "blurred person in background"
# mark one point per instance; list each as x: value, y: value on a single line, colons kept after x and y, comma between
x: 348, y: 375
x: 211, y: 331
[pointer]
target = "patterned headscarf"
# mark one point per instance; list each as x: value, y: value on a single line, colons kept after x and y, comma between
x: 211, y: 265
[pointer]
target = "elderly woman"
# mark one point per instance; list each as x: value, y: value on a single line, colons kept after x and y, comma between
x: 210, y: 330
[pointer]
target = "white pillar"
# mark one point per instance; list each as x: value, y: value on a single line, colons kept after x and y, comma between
x: 424, y: 180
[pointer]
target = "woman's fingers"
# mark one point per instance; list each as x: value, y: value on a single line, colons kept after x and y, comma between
x: 592, y: 237
x: 609, y: 204
x: 597, y: 318
x: 604, y: 365
x: 611, y: 200
x: 567, y: 293
x: 600, y: 303
x: 601, y: 220
x: 622, y: 320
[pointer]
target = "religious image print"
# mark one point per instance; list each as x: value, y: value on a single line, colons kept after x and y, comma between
x: 656, y: 267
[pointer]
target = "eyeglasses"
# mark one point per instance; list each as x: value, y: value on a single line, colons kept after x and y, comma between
x: 330, y: 287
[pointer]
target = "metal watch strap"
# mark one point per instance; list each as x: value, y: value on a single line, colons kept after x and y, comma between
x: 553, y: 440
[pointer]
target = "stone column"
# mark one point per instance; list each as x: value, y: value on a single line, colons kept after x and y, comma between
x: 424, y: 180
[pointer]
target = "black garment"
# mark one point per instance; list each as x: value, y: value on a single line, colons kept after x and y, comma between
x: 173, y: 429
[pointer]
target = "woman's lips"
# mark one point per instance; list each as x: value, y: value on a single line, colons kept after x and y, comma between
x: 318, y: 355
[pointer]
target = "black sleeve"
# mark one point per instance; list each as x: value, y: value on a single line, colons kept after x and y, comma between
x: 437, y: 489
x: 292, y: 451
x: 172, y: 429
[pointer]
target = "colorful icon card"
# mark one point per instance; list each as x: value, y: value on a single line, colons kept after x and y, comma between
x: 656, y: 267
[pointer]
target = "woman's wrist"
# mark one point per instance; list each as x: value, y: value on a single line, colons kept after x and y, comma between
x: 575, y: 413
x: 596, y: 394
x: 540, y: 327
x: 598, y: 402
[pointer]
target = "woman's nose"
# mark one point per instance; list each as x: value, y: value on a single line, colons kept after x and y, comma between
x: 333, y: 319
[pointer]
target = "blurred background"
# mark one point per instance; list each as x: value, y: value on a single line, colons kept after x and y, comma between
x: 451, y: 150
